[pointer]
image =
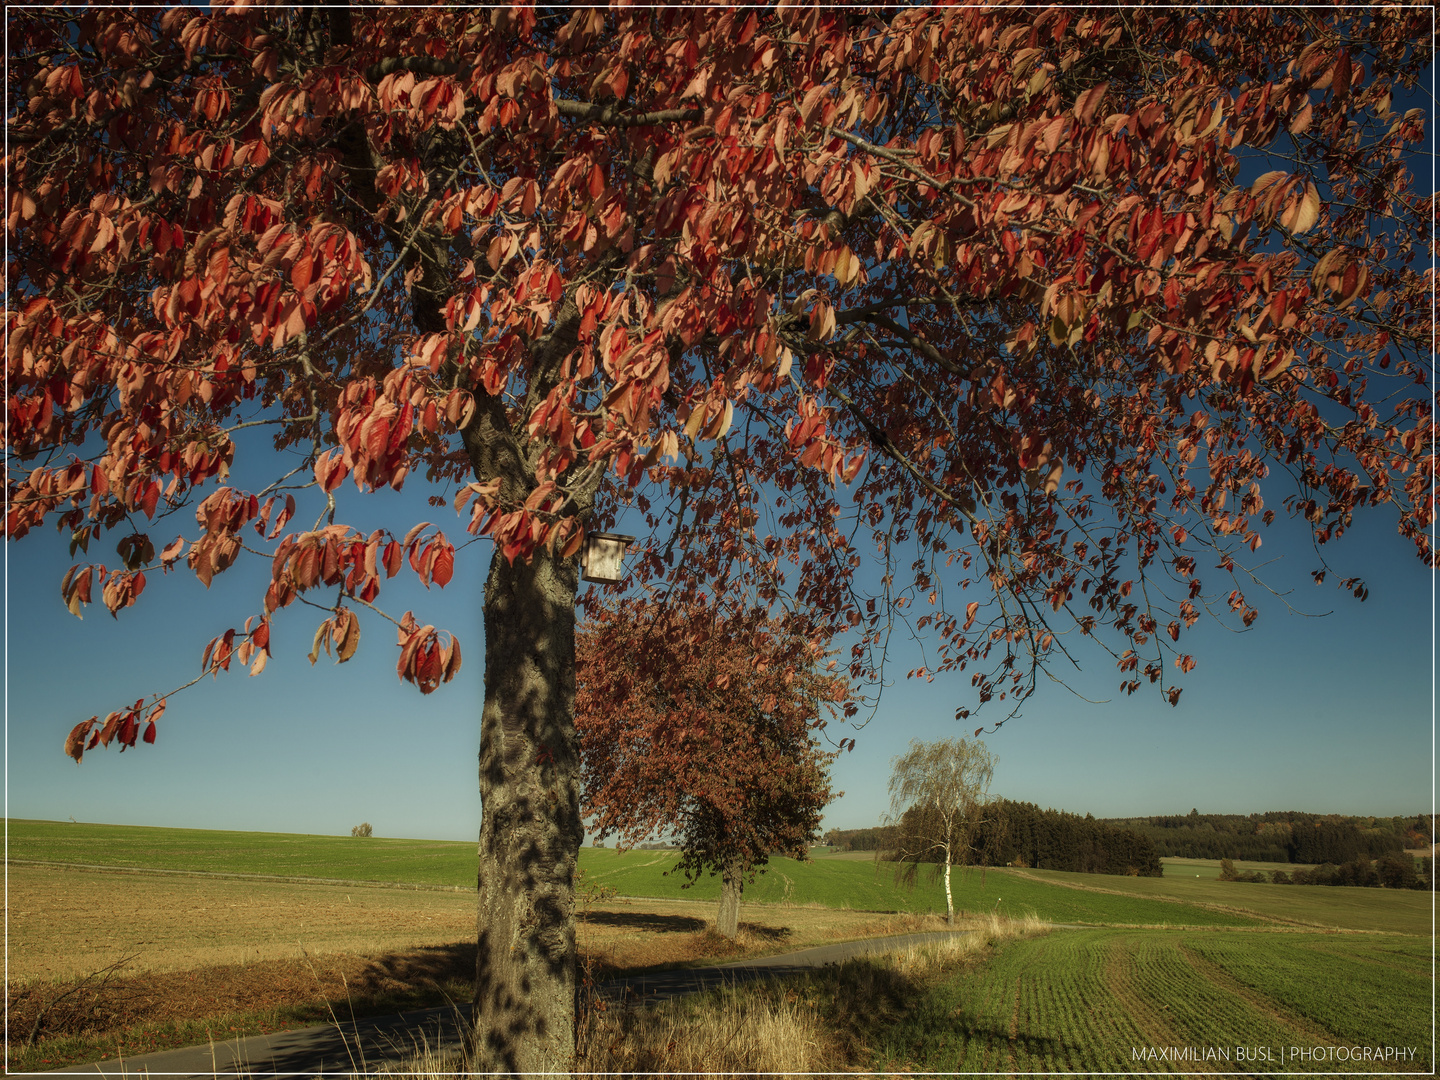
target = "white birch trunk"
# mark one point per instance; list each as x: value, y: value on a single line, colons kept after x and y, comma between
x: 949, y: 900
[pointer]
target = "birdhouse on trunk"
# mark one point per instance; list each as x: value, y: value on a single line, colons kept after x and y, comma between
x: 603, y: 556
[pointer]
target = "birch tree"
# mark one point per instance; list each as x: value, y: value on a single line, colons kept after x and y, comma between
x: 938, y: 795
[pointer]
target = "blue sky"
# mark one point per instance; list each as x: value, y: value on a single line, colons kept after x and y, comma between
x: 1331, y: 713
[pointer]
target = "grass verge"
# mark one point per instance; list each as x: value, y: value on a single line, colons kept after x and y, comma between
x: 826, y: 1020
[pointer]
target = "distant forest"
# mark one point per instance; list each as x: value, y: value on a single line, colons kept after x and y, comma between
x: 1024, y: 835
x: 1284, y: 836
x: 1021, y: 834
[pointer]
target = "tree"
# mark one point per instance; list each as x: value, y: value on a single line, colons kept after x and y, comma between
x: 939, y: 797
x: 989, y: 299
x: 701, y: 723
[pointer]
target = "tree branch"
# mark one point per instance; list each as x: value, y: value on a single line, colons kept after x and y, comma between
x: 428, y: 65
x: 909, y: 337
x: 609, y: 116
x: 881, y: 152
x: 886, y: 445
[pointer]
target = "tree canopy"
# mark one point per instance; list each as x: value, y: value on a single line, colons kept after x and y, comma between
x: 704, y: 725
x: 1007, y: 321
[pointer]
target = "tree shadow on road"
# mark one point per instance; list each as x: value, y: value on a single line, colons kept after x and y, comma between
x: 641, y: 920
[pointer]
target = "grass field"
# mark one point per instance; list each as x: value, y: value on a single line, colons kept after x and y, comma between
x: 1395, y: 911
x: 1249, y: 971
x: 1179, y: 899
x: 414, y: 862
x: 1119, y: 1001
x: 855, y: 884
x: 860, y: 884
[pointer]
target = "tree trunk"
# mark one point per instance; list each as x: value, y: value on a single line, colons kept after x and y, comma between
x: 526, y: 990
x: 949, y: 899
x: 732, y: 882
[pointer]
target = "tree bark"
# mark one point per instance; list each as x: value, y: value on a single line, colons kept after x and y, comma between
x: 949, y: 899
x: 526, y: 988
x: 949, y: 848
x: 732, y: 883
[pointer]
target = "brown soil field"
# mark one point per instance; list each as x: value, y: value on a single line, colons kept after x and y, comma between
x: 66, y: 923
x: 72, y: 922
x: 208, y: 956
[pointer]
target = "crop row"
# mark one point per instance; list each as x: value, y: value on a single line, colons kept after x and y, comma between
x: 1198, y: 1001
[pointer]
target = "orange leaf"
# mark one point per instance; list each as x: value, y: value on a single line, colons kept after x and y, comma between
x: 443, y: 566
x: 75, y: 741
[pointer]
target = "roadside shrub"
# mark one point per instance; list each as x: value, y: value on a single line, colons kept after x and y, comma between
x: 1227, y: 870
x: 363, y: 829
x: 1279, y: 877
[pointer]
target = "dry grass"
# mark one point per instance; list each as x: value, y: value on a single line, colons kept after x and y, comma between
x: 817, y: 1022
x: 728, y: 1032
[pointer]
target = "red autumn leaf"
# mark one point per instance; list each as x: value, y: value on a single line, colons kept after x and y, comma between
x: 150, y: 499
x: 443, y: 565
x: 75, y: 741
x: 1089, y: 101
x: 301, y: 272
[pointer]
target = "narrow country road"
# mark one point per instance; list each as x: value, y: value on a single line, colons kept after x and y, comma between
x: 362, y: 1045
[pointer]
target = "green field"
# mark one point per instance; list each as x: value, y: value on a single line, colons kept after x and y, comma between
x: 1110, y: 1000
x: 1179, y: 899
x: 411, y: 862
x: 863, y: 886
x: 1398, y: 911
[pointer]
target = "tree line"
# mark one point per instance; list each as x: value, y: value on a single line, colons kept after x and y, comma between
x: 1388, y: 872
x: 1022, y: 834
x: 1282, y: 836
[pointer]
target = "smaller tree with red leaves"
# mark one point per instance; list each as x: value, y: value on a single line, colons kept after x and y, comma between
x: 701, y: 723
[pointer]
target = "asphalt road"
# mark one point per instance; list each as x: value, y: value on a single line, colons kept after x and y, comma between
x: 363, y: 1045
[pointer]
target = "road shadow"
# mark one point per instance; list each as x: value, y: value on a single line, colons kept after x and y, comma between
x: 416, y: 968
x: 639, y: 920
x: 773, y: 934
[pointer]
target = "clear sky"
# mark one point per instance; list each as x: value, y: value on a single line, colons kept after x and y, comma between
x: 1327, y: 714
